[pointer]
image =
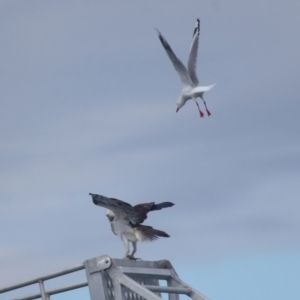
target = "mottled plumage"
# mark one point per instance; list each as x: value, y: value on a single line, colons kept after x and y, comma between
x: 125, y: 220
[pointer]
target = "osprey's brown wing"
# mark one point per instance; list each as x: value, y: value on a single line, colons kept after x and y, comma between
x: 143, y: 209
x: 136, y: 214
x: 118, y: 206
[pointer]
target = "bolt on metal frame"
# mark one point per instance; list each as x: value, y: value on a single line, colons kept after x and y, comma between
x: 118, y: 279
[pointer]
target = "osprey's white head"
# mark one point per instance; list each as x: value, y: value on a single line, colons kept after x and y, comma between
x: 110, y: 214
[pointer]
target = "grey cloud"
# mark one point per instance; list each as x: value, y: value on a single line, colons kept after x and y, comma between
x: 88, y: 105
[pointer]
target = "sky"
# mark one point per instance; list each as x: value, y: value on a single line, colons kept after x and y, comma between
x: 88, y: 105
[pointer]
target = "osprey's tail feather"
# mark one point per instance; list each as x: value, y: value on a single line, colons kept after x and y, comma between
x: 161, y: 205
x: 148, y: 234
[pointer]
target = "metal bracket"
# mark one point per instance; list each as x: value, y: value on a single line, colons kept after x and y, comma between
x: 103, y: 262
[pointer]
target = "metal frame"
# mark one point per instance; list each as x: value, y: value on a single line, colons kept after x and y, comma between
x: 118, y: 279
x: 45, y: 295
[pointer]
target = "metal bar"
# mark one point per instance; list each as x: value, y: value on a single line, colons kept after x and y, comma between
x: 96, y: 280
x: 55, y: 291
x: 67, y: 288
x: 173, y: 283
x: 155, y: 273
x: 194, y: 294
x: 135, y: 263
x: 29, y: 297
x: 136, y: 287
x: 43, y: 278
x: 42, y: 289
x: 117, y: 288
x: 151, y: 282
x: 167, y: 289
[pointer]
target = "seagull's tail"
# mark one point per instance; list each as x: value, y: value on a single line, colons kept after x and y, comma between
x: 202, y: 89
x: 209, y: 87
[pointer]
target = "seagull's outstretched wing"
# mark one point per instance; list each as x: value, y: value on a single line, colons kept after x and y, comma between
x: 118, y: 206
x: 192, y: 62
x: 178, y: 65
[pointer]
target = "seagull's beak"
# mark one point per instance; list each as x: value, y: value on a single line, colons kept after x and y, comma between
x: 177, y: 109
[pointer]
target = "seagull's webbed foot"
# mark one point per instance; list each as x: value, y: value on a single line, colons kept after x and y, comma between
x: 200, y: 111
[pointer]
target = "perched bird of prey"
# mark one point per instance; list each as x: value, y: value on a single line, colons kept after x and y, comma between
x: 188, y: 76
x: 125, y: 221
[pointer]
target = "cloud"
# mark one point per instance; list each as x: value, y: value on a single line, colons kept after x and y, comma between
x: 88, y: 105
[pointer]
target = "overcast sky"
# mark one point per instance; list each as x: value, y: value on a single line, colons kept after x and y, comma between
x: 88, y: 100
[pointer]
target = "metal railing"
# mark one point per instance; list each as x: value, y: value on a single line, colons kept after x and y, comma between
x: 117, y: 279
x: 45, y: 294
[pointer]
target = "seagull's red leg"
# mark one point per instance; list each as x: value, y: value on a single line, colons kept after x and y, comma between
x: 201, y: 113
x: 208, y: 112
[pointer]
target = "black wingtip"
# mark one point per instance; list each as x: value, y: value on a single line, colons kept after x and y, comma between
x: 162, y: 39
x: 197, y: 27
x: 160, y: 36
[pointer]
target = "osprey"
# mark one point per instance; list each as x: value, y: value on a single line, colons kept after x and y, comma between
x: 191, y: 88
x: 125, y: 221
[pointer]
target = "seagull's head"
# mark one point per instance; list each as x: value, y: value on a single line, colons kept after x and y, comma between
x: 180, y: 103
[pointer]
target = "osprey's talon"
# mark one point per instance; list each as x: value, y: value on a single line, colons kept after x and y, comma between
x: 130, y: 257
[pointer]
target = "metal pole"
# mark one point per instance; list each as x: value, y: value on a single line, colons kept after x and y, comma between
x: 42, y: 289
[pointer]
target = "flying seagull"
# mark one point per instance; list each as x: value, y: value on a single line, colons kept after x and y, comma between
x: 125, y: 221
x: 191, y: 88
